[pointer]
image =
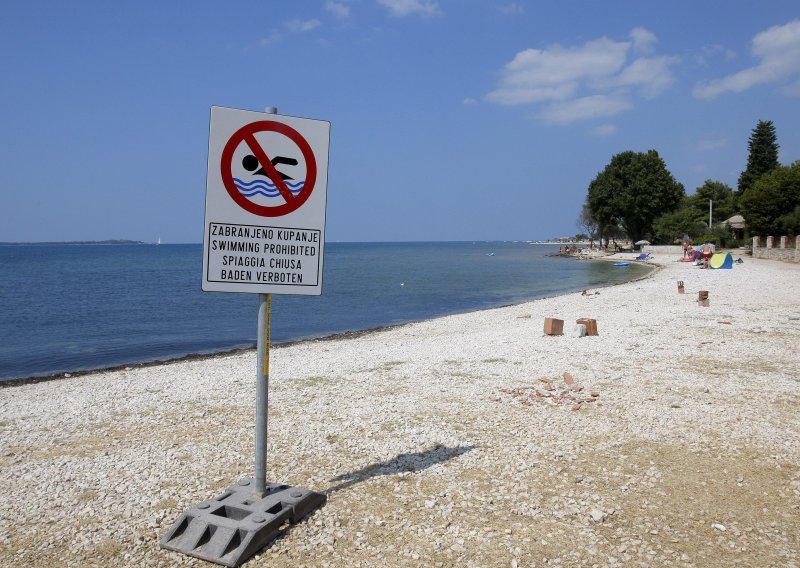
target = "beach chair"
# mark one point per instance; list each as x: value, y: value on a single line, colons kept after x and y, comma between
x: 643, y: 256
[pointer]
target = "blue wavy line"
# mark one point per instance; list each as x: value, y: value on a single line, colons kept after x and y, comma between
x: 259, y: 192
x: 266, y: 190
x: 263, y: 183
x: 274, y: 193
x: 267, y: 184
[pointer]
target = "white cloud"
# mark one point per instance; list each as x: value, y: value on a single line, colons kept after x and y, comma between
x: 408, y: 7
x: 596, y: 79
x: 469, y: 101
x: 711, y: 144
x: 778, y: 49
x: 712, y: 51
x: 792, y: 90
x: 532, y: 94
x: 292, y: 26
x: 513, y: 9
x: 604, y: 130
x: 555, y: 73
x: 299, y: 26
x: 273, y: 37
x: 338, y: 9
x: 650, y: 74
x: 593, y: 106
x: 643, y: 40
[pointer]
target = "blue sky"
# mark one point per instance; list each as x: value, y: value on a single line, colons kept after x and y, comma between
x: 451, y: 120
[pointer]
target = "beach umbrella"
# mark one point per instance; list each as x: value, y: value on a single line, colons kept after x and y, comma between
x: 642, y: 242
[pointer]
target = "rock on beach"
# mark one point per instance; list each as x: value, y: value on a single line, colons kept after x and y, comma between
x: 449, y: 441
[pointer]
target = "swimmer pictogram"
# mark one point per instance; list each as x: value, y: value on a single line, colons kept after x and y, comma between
x: 251, y: 177
x: 250, y: 163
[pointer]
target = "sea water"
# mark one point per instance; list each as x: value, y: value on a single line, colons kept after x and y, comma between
x: 66, y: 308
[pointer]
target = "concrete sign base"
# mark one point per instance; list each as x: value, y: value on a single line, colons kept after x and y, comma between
x: 233, y: 527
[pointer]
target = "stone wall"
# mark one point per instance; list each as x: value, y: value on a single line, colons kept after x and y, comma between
x: 781, y: 248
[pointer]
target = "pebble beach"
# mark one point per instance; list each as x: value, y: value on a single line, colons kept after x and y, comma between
x: 672, y: 438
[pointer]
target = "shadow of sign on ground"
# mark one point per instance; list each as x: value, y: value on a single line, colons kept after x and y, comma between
x: 413, y: 462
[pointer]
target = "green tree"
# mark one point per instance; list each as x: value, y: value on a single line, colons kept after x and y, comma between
x: 603, y: 208
x: 774, y: 196
x: 671, y: 227
x: 633, y: 190
x: 587, y: 222
x: 789, y: 224
x: 720, y: 194
x: 762, y: 157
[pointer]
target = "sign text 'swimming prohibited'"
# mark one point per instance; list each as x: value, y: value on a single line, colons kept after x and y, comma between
x: 265, y: 203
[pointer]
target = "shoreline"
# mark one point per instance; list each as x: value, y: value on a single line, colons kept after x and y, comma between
x: 200, y: 356
x: 670, y: 438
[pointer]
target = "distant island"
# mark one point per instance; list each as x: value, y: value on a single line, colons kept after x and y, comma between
x: 108, y: 242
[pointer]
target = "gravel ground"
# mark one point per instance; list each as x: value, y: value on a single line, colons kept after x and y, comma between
x: 455, y: 441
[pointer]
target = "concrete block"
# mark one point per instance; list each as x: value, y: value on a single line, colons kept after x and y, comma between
x: 578, y: 330
x: 235, y: 526
x: 553, y: 326
x: 591, y: 325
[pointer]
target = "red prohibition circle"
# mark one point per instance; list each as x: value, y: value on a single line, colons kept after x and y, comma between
x: 246, y: 134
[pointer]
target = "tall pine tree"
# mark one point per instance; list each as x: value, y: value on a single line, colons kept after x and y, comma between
x: 763, y: 156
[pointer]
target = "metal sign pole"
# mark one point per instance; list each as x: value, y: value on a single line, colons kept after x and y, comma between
x: 262, y: 384
x: 262, y: 393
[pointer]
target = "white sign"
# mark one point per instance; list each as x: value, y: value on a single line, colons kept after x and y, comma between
x: 266, y: 193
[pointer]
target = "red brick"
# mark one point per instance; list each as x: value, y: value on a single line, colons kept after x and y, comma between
x: 591, y: 325
x: 553, y: 326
